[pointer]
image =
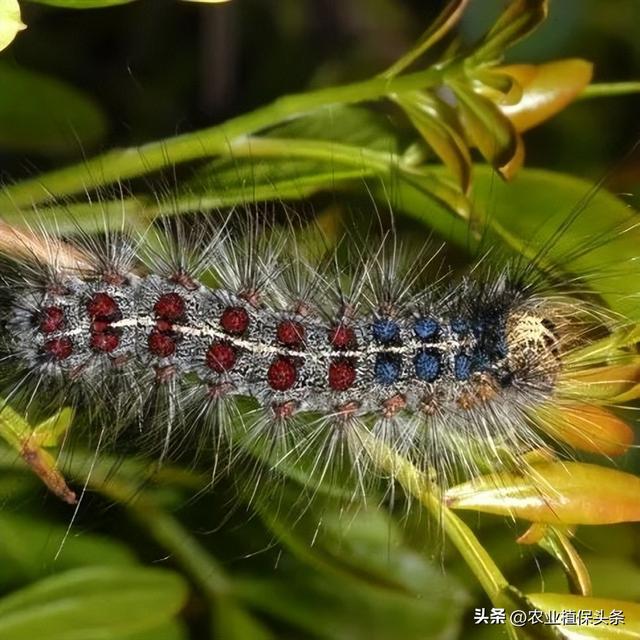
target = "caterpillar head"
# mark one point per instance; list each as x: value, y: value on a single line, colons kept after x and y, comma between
x: 534, y: 346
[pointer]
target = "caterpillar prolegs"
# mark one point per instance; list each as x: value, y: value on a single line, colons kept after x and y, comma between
x: 239, y: 339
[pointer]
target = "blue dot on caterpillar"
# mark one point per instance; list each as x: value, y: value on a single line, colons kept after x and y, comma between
x: 385, y: 330
x: 426, y: 328
x: 428, y: 364
x: 387, y: 368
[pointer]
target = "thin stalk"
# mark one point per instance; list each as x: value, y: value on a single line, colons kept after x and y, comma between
x: 417, y: 485
x: 162, y: 526
x: 609, y: 89
x: 330, y: 151
x: 415, y: 482
x: 347, y: 161
x: 434, y: 33
x: 167, y: 532
x: 190, y: 555
x: 121, y: 164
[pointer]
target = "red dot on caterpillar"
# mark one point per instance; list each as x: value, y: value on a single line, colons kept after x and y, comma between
x: 106, y: 341
x: 290, y: 333
x: 102, y: 305
x: 169, y: 306
x: 234, y: 320
x: 221, y: 357
x: 282, y: 374
x: 160, y: 344
x: 58, y: 348
x: 342, y: 337
x: 342, y: 374
x: 51, y: 319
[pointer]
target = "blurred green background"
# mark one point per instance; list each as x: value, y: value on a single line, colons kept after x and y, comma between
x: 79, y: 82
x: 153, y: 68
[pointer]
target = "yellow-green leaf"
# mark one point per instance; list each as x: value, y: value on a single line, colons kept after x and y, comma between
x: 614, y: 383
x: 628, y: 626
x: 19, y: 434
x: 516, y: 22
x: 586, y: 428
x: 447, y: 19
x: 609, y: 348
x: 558, y: 544
x: 10, y: 22
x: 546, y: 89
x: 426, y: 115
x: 490, y: 130
x: 557, y: 493
x: 50, y: 432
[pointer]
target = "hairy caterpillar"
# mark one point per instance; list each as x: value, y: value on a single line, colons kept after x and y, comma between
x: 232, y: 335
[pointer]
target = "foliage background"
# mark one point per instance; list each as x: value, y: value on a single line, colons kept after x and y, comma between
x: 153, y: 68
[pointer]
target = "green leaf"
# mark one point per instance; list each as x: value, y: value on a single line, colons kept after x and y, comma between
x: 554, y: 603
x: 298, y: 158
x: 345, y: 124
x: 354, y: 542
x: 439, y: 28
x: 338, y: 608
x: 94, y: 603
x: 30, y: 544
x: 71, y: 120
x: 227, y: 183
x: 519, y: 19
x: 232, y: 622
x: 174, y: 630
x: 556, y: 493
x: 489, y: 129
x: 429, y: 116
x: 10, y: 22
x: 600, y: 245
x: 93, y: 217
x: 269, y: 172
x: 410, y: 199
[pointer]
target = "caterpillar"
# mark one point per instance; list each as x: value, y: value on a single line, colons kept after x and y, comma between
x: 232, y: 333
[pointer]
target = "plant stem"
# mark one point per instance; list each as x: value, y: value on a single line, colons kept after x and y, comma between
x: 172, y: 536
x: 609, y: 89
x: 416, y: 484
x: 98, y: 474
x: 344, y: 162
x: 120, y: 164
x: 428, y: 493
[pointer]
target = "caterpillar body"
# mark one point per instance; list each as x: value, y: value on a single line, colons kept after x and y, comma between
x: 455, y: 375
